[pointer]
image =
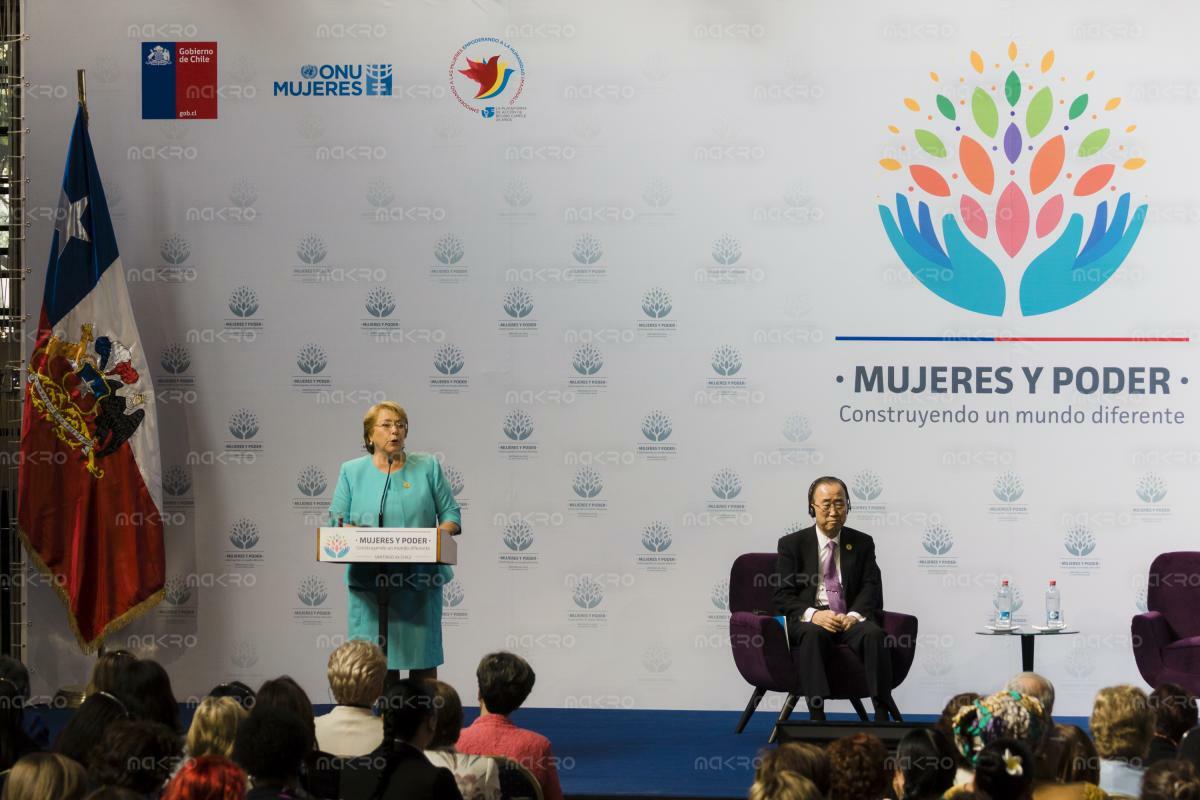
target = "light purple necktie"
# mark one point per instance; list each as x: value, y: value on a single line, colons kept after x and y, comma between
x: 833, y: 586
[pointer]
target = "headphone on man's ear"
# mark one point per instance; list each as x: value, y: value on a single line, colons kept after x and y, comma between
x: 812, y: 487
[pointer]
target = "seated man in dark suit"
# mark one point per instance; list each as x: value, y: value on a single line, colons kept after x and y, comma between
x: 398, y: 768
x: 829, y: 587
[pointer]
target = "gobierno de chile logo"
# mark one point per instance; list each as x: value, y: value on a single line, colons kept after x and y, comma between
x: 487, y: 69
x: 1056, y: 159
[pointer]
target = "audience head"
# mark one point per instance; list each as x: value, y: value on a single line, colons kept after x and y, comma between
x: 785, y: 786
x: 356, y: 673
x: 11, y: 669
x: 1122, y: 723
x: 114, y: 793
x: 408, y: 712
x: 271, y: 745
x: 135, y: 755
x: 107, y: 670
x: 925, y: 765
x: 858, y: 768
x: 945, y: 722
x: 87, y: 725
x: 505, y: 680
x: 214, y: 727
x: 1171, y: 779
x: 1031, y: 683
x: 1004, y: 770
x: 284, y: 692
x: 12, y: 713
x: 38, y: 776
x: 799, y: 758
x: 1003, y: 715
x: 448, y: 711
x: 237, y: 690
x: 207, y: 778
x: 1067, y: 755
x: 1174, y: 711
x: 145, y: 688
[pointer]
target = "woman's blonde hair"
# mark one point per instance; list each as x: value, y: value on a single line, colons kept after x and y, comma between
x: 41, y: 775
x: 214, y: 727
x: 373, y: 414
x: 356, y: 673
x: 785, y: 786
x: 1122, y: 722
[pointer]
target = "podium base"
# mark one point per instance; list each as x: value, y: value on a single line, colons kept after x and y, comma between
x: 824, y: 732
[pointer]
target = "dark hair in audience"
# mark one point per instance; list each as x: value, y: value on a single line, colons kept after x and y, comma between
x: 271, y: 744
x: 406, y: 704
x: 11, y: 669
x: 145, y: 688
x: 1171, y: 779
x: 114, y: 793
x: 1067, y: 755
x: 945, y: 722
x: 1174, y: 711
x: 283, y: 692
x: 136, y: 755
x: 1004, y: 770
x: 237, y: 690
x: 858, y: 768
x: 926, y: 760
x: 449, y: 710
x: 88, y: 724
x: 802, y: 758
x: 14, y: 742
x: 106, y: 672
x: 505, y: 680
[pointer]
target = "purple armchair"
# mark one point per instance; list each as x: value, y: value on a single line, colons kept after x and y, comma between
x: 1166, y: 639
x: 761, y: 653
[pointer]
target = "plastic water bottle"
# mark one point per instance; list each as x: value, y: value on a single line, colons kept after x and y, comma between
x: 1003, y: 604
x: 1053, y: 606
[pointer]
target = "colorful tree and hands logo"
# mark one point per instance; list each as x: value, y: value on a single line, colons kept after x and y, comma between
x: 1026, y: 186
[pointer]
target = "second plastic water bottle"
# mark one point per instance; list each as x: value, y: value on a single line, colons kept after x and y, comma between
x: 1003, y: 603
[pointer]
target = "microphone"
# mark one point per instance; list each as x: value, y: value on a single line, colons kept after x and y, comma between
x: 386, y: 483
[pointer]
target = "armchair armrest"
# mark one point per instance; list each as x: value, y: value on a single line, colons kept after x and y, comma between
x: 1149, y: 634
x: 761, y: 652
x: 900, y: 637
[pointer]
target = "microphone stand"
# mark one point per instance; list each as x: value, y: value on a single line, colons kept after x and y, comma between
x: 382, y: 587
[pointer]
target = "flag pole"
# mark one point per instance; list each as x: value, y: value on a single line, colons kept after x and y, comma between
x: 81, y: 87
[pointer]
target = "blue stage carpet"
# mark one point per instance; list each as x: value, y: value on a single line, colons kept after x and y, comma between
x: 652, y: 753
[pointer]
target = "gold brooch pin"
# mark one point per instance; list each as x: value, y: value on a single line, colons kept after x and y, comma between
x: 407, y: 485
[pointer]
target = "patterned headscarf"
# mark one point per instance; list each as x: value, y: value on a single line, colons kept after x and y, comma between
x: 1001, y: 715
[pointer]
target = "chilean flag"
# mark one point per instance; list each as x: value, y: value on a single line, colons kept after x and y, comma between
x: 89, y: 495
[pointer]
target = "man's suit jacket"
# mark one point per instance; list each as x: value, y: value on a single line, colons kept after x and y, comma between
x: 798, y: 573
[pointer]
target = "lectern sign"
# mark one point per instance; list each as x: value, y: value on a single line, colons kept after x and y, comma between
x: 386, y: 545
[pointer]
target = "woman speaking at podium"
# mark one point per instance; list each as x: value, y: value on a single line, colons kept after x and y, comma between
x: 406, y: 490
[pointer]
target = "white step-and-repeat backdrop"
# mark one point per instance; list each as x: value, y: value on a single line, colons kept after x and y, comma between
x: 617, y: 261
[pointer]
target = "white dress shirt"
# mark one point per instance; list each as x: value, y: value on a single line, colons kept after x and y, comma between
x: 349, y: 731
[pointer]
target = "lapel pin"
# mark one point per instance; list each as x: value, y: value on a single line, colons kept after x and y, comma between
x: 849, y: 546
x: 407, y: 485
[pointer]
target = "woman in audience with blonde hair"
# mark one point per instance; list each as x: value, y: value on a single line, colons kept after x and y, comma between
x: 41, y: 776
x: 784, y: 786
x: 356, y: 673
x: 214, y: 727
x: 478, y: 777
x: 1122, y: 725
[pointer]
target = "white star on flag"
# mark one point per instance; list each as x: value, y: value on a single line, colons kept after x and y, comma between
x: 70, y: 221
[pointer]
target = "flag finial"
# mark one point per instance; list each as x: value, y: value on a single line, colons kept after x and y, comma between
x: 81, y: 87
